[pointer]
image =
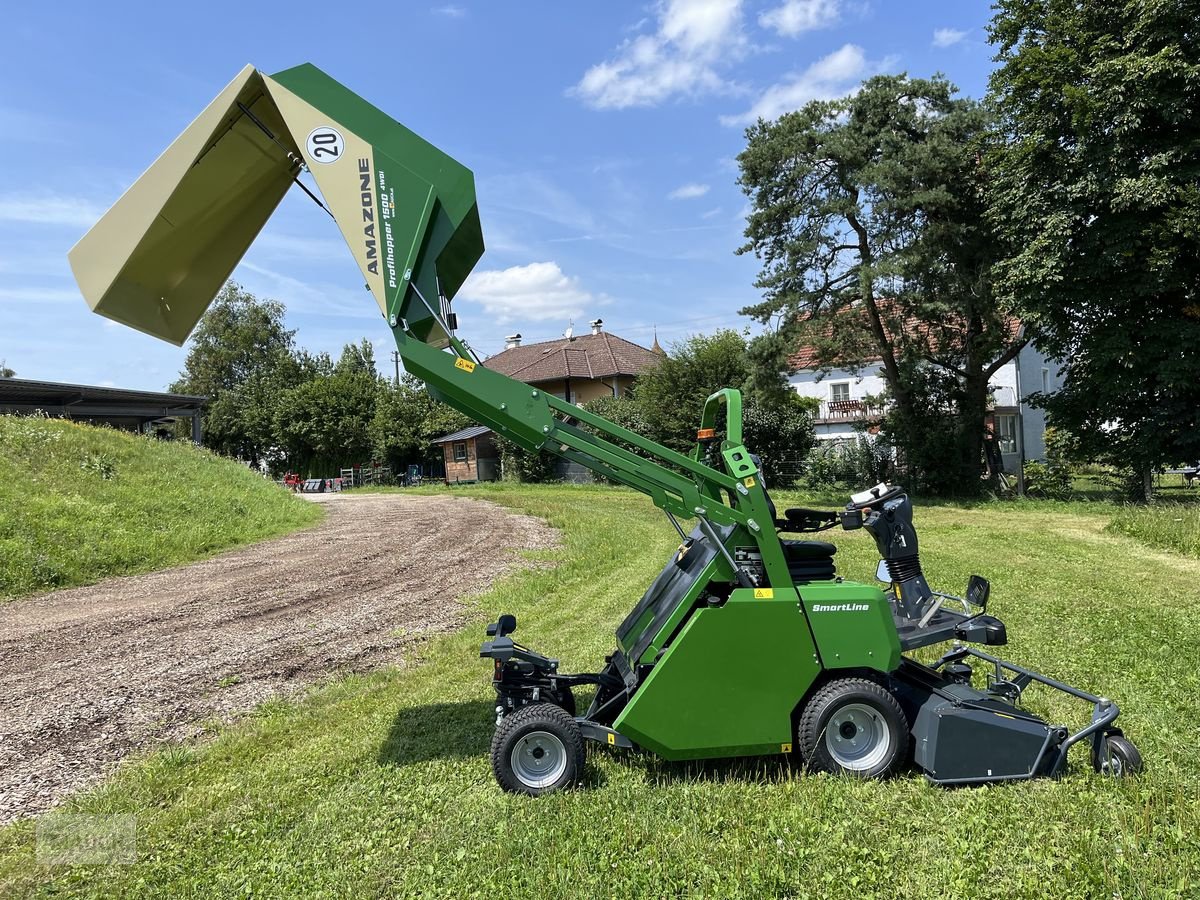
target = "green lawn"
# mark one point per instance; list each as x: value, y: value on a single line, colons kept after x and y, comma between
x: 78, y: 504
x: 381, y: 785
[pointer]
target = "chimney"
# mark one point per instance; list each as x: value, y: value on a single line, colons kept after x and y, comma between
x: 597, y: 325
x: 513, y: 340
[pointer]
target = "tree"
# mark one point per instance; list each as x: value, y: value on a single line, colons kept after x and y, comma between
x: 406, y: 422
x: 243, y: 359
x: 5, y: 371
x: 325, y: 422
x: 672, y: 393
x: 868, y: 216
x: 1097, y: 174
x: 668, y: 402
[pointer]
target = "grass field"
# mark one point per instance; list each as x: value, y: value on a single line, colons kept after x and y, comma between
x: 380, y: 786
x: 78, y: 504
x: 1164, y: 526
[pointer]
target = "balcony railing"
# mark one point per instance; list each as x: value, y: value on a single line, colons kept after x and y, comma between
x: 833, y: 411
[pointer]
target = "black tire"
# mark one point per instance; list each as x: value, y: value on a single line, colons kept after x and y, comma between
x: 1118, y: 757
x: 844, y: 713
x: 537, y: 749
x: 564, y: 698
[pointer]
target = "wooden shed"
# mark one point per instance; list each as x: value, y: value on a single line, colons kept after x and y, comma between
x: 470, y: 455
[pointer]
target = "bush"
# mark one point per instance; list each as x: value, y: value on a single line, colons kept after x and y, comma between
x: 781, y: 435
x: 1047, y: 481
x: 861, y: 462
x: 526, y: 466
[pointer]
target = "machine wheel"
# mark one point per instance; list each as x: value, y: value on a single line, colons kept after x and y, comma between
x: 853, y: 726
x: 537, y: 749
x: 1118, y: 757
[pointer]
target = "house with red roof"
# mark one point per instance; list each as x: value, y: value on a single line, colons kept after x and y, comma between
x: 577, y: 368
x: 849, y: 400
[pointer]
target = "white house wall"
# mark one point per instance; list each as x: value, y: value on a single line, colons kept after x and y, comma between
x: 1037, y: 374
x: 869, y: 383
x: 809, y: 383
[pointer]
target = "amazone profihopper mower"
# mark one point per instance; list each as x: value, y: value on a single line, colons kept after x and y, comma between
x: 748, y: 642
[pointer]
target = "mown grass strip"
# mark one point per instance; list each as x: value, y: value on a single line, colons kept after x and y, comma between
x: 380, y: 785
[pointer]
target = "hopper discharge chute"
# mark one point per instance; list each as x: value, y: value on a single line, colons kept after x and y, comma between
x: 407, y: 210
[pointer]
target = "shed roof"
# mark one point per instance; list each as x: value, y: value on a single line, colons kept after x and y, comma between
x: 591, y: 356
x: 464, y: 435
x: 23, y: 390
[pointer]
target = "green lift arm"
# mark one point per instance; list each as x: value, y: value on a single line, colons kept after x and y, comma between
x: 409, y: 216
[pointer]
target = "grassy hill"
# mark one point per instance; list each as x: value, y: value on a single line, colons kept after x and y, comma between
x: 380, y: 785
x: 78, y: 504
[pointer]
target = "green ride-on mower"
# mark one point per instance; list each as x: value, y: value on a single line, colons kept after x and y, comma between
x: 748, y: 642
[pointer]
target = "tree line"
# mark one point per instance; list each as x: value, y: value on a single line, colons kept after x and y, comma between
x: 934, y: 235
x: 279, y: 407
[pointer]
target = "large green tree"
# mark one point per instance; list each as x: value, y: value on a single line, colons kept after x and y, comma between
x: 868, y: 216
x: 325, y: 422
x: 243, y: 359
x: 1097, y: 177
x: 668, y: 401
x: 407, y: 421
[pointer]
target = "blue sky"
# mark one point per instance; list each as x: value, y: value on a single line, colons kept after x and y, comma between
x: 602, y: 136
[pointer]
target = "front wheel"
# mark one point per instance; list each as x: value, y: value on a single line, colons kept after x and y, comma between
x: 1117, y: 756
x: 537, y: 749
x: 853, y: 726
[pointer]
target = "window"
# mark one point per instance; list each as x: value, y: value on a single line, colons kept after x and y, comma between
x: 839, y: 390
x: 1006, y: 433
x: 1045, y: 381
x: 460, y: 451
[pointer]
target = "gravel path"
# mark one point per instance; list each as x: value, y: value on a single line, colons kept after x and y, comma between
x: 91, y: 674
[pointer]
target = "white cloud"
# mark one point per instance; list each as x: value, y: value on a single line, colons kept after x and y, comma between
x: 715, y: 211
x: 829, y: 78
x: 795, y: 17
x: 450, y: 12
x: 688, y: 191
x: 948, y: 37
x: 693, y: 41
x: 51, y: 209
x: 538, y: 291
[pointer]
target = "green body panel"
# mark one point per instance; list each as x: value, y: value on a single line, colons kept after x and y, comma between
x: 852, y: 624
x: 728, y: 683
x: 424, y: 199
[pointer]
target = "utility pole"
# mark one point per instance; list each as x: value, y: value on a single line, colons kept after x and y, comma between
x: 396, y: 360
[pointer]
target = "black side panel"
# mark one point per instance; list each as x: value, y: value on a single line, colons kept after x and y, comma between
x: 665, y: 594
x: 963, y: 744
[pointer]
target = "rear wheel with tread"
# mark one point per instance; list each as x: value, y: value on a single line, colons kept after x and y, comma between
x: 853, y: 726
x: 537, y: 749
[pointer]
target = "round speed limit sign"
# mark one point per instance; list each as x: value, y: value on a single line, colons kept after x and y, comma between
x: 325, y: 145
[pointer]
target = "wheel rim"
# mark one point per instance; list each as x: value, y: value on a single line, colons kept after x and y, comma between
x: 1111, y: 763
x: 539, y: 759
x: 857, y: 737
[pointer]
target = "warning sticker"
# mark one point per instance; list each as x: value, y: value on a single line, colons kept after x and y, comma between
x: 764, y: 593
x: 465, y: 364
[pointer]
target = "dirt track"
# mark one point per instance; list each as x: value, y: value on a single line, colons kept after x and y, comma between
x: 90, y: 674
